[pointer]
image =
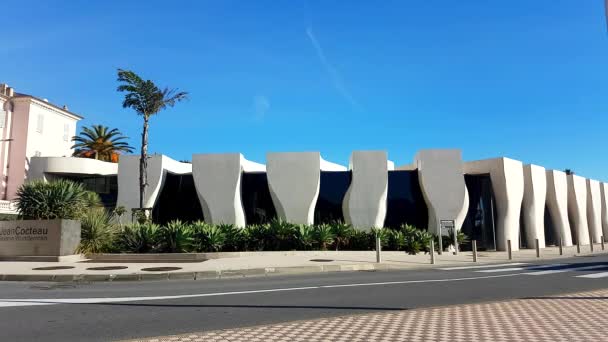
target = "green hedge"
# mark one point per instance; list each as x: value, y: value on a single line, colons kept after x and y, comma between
x: 180, y: 237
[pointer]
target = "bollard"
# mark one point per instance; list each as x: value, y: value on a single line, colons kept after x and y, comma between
x: 537, y: 248
x: 561, y: 247
x: 432, y: 251
x: 578, y: 247
x: 509, y: 250
x: 602, y: 240
x: 474, y: 242
x: 378, y: 249
x: 591, y: 244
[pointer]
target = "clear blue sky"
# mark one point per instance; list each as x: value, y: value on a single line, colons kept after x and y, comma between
x: 519, y: 78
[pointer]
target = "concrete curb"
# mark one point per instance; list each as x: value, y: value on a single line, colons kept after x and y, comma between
x: 257, y: 272
x: 219, y: 274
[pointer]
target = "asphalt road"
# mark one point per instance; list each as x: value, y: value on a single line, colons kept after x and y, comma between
x: 124, y: 310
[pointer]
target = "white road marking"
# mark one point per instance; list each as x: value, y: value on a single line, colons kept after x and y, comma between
x: 594, y: 275
x: 520, y: 268
x: 54, y: 301
x: 480, y: 266
x: 562, y: 270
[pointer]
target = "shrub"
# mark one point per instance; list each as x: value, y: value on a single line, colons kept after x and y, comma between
x: 323, y: 236
x: 175, y: 237
x: 361, y: 241
x: 342, y: 233
x: 207, y: 237
x: 138, y: 238
x: 235, y: 239
x: 448, y: 240
x: 97, y: 232
x: 92, y: 199
x: 396, y: 240
x: 59, y: 199
x: 281, y: 235
x: 305, y: 236
x: 416, y: 240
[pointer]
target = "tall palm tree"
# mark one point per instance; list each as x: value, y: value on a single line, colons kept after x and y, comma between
x: 146, y: 99
x: 101, y: 142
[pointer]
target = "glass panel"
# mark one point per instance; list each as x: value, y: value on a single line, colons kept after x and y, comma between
x: 479, y: 222
x: 177, y: 200
x: 256, y: 199
x: 405, y: 202
x: 332, y: 188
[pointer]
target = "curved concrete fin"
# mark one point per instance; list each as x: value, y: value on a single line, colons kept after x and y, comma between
x: 364, y: 205
x: 594, y: 210
x: 294, y: 180
x: 577, y: 208
x: 535, y: 195
x: 557, y: 203
x: 217, y: 178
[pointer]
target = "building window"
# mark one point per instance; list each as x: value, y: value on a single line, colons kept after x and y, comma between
x: 66, y: 132
x: 40, y: 123
x: 2, y: 118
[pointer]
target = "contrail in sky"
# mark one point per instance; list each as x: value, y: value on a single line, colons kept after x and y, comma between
x: 331, y: 70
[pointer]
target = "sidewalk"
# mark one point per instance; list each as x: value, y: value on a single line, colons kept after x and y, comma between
x: 572, y: 317
x: 230, y: 265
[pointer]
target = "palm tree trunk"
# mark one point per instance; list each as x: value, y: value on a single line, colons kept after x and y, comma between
x: 143, y: 162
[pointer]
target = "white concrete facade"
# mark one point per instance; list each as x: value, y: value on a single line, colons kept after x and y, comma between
x: 604, y: 200
x: 293, y: 180
x: 128, y: 180
x: 535, y: 194
x: 364, y: 204
x: 441, y: 177
x: 577, y: 208
x: 594, y: 210
x: 557, y: 204
x: 508, y: 185
x: 217, y: 178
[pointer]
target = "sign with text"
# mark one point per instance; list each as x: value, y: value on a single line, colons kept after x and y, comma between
x: 39, y: 237
x: 446, y: 226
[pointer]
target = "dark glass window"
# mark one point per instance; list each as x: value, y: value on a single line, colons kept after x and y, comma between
x: 405, y: 203
x: 332, y: 189
x: 479, y: 222
x: 550, y: 237
x: 177, y: 200
x: 255, y: 195
x: 105, y: 186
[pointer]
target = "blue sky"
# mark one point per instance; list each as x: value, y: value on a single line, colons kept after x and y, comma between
x: 519, y: 78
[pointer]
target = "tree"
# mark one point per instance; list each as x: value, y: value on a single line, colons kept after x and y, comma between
x: 100, y: 142
x: 146, y: 99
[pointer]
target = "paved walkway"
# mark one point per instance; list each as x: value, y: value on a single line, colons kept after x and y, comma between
x: 571, y: 317
x: 259, y: 264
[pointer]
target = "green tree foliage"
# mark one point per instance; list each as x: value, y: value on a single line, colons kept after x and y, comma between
x: 58, y: 199
x: 100, y: 142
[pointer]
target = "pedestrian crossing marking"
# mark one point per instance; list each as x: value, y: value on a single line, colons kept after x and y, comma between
x: 520, y: 268
x: 568, y: 269
x: 594, y: 275
x: 481, y: 266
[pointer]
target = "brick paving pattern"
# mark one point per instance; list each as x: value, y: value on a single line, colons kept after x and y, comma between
x: 571, y: 317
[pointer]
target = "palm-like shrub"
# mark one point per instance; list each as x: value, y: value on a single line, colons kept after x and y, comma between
x: 323, y: 236
x: 342, y: 232
x: 396, y: 240
x: 138, y: 238
x: 448, y: 240
x: 235, y: 238
x: 97, y: 232
x: 58, y: 199
x: 416, y: 240
x: 281, y: 234
x: 175, y: 237
x: 257, y: 236
x: 207, y: 237
x: 305, y: 236
x: 361, y: 241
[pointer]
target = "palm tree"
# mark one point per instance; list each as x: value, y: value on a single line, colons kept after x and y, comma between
x: 100, y: 142
x: 146, y: 99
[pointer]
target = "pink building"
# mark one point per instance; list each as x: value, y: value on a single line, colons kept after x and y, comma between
x: 29, y: 127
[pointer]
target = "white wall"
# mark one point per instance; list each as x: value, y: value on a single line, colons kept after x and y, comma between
x: 557, y: 203
x: 217, y: 178
x: 440, y: 173
x: 604, y: 197
x: 364, y: 204
x: 40, y: 167
x: 594, y: 210
x: 533, y: 206
x: 577, y: 208
x: 128, y: 180
x: 51, y: 142
x: 293, y: 180
x: 508, y: 185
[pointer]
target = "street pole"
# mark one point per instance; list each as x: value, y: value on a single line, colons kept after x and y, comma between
x: 455, y: 241
x: 432, y: 251
x: 378, y: 249
x: 509, y: 251
x: 537, y: 248
x: 474, y: 242
x: 561, y: 247
x: 440, y: 249
x: 602, y: 240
